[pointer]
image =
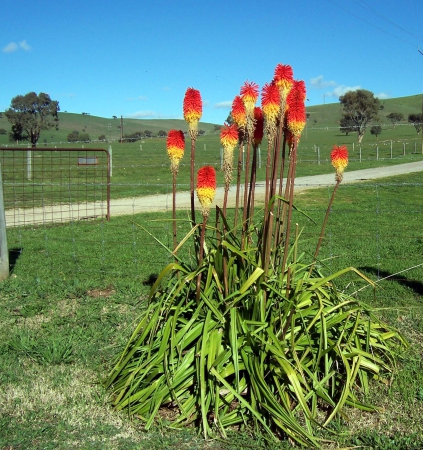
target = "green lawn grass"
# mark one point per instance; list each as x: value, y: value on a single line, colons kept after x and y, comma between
x: 76, y: 291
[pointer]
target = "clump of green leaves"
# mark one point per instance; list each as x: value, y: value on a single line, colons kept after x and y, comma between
x: 249, y: 332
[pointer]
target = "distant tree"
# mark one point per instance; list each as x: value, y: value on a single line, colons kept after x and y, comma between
x: 416, y: 120
x: 229, y: 119
x: 76, y: 136
x: 359, y: 108
x: 3, y: 131
x: 148, y: 133
x: 201, y: 132
x: 30, y: 114
x: 133, y: 136
x: 376, y: 130
x: 102, y: 137
x: 114, y: 117
x: 162, y: 133
x: 395, y: 118
x: 346, y: 126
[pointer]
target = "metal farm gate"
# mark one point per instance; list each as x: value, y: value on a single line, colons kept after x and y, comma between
x: 54, y: 184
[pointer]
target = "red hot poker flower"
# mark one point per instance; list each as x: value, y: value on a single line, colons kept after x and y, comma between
x: 270, y: 102
x: 193, y: 109
x: 259, y: 125
x: 206, y: 187
x: 339, y: 158
x: 283, y: 78
x: 249, y: 95
x: 238, y: 112
x: 175, y: 145
x: 229, y: 136
x: 296, y: 115
x: 229, y: 139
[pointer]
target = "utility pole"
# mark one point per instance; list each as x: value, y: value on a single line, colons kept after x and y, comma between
x: 121, y: 129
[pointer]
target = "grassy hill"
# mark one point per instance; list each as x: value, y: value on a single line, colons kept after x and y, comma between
x: 321, y: 117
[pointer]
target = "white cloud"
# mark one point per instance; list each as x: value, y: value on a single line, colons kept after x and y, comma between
x: 223, y: 105
x: 24, y: 45
x: 12, y: 47
x: 320, y: 83
x: 341, y: 90
x: 382, y: 96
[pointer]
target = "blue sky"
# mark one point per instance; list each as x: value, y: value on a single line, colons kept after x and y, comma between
x: 137, y: 58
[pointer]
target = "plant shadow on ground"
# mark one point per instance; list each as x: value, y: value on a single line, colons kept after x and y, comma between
x: 415, y: 285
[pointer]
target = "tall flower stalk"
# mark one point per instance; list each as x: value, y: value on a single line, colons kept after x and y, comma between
x: 193, y: 110
x: 175, y: 145
x: 229, y: 139
x: 206, y: 190
x: 239, y: 116
x: 339, y: 159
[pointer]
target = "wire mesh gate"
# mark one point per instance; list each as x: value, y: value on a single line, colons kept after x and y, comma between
x: 55, y: 185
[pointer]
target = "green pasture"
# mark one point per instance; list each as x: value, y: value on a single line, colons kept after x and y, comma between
x: 77, y: 289
x: 142, y: 167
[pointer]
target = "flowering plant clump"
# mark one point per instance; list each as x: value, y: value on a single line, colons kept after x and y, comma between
x: 245, y: 331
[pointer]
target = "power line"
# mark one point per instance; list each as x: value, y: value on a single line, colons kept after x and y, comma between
x: 377, y: 13
x: 371, y: 24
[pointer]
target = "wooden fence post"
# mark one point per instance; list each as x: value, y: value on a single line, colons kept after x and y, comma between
x: 4, y: 251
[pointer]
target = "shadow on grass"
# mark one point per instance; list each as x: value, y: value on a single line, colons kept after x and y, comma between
x: 150, y: 280
x: 416, y: 286
x: 14, y: 254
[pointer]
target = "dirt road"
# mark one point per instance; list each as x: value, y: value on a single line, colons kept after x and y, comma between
x: 156, y: 203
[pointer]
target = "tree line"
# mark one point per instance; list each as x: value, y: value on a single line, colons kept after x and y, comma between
x: 360, y: 108
x: 31, y: 113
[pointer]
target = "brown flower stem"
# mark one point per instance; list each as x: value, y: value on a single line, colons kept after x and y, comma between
x: 289, y: 194
x: 192, y: 181
x: 322, y: 233
x: 245, y: 207
x: 251, y: 191
x: 201, y: 254
x: 174, y: 209
x: 238, y: 183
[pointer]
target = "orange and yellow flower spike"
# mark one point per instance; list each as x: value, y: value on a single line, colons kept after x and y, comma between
x: 284, y: 79
x: 296, y: 114
x: 339, y: 158
x: 229, y: 138
x: 175, y: 145
x: 249, y: 95
x: 271, y: 106
x: 206, y: 188
x: 239, y: 114
x: 193, y: 110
